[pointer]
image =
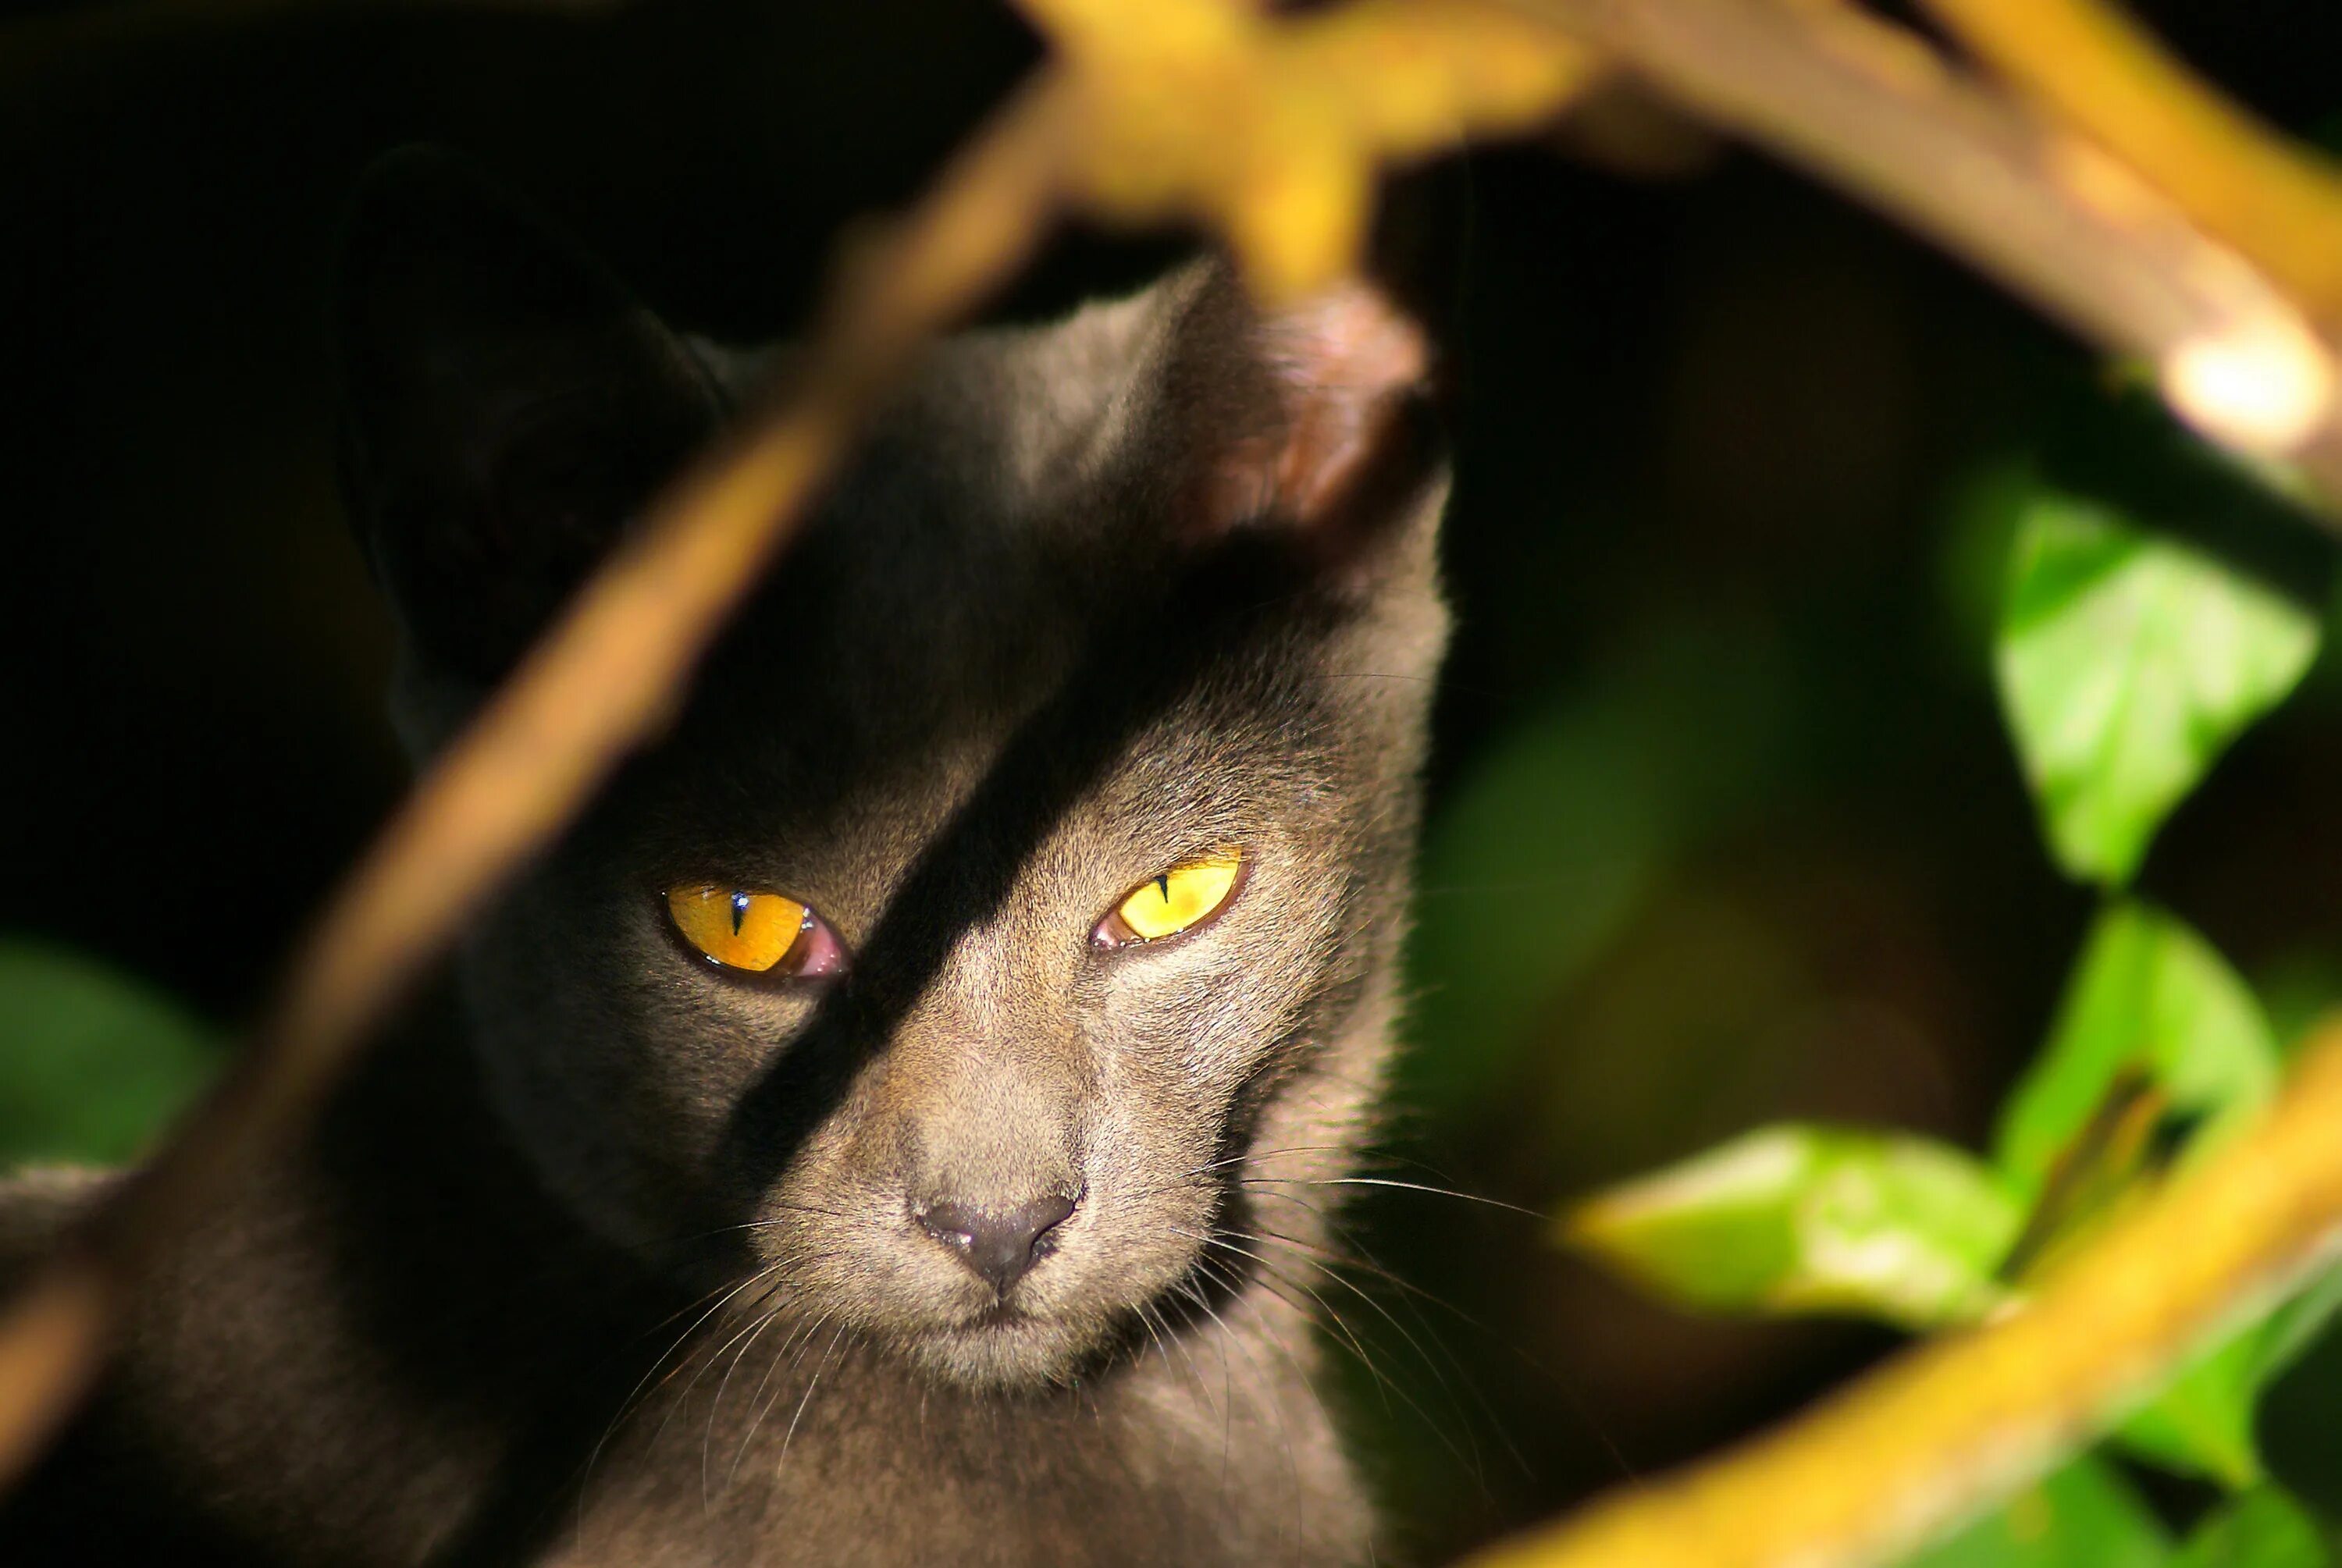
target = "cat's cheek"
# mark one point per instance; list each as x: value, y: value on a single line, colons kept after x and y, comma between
x: 1210, y: 1026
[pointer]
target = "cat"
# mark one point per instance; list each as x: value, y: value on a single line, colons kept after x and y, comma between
x: 898, y: 1123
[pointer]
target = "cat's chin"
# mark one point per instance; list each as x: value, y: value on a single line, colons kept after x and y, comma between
x: 1003, y: 1351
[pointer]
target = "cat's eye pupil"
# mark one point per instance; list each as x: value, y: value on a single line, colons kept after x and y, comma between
x: 739, y: 911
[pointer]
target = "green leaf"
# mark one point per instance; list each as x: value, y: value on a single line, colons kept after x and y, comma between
x: 1799, y: 1219
x: 2201, y: 1423
x: 2295, y: 1326
x: 92, y: 1063
x: 2148, y: 996
x: 2262, y: 1529
x: 2085, y: 1516
x: 2150, y: 1001
x: 2126, y: 664
x: 2151, y: 998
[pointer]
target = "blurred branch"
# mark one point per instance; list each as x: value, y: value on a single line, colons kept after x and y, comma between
x: 1873, y: 109
x: 1273, y: 131
x: 2090, y: 67
x: 1954, y: 1425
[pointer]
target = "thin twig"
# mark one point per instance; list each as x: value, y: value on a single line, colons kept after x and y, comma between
x: 1963, y: 1420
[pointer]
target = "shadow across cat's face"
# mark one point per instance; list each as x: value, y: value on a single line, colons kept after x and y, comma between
x: 1119, y: 628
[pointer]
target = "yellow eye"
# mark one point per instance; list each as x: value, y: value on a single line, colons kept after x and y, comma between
x: 1176, y: 900
x: 740, y: 928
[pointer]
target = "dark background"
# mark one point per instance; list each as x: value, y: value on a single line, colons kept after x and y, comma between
x: 1726, y: 829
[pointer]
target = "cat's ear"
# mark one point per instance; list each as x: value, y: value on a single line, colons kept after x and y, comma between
x: 1312, y: 422
x: 509, y: 407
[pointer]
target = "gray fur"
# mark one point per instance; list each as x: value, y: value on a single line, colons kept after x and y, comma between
x: 1014, y: 668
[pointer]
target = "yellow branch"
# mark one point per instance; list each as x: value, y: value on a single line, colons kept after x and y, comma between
x: 2091, y: 66
x: 1955, y: 1425
x: 1872, y: 109
x: 1273, y: 131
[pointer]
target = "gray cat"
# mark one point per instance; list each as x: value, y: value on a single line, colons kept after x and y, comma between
x: 898, y: 1124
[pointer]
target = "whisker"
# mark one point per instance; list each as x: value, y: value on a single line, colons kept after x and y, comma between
x: 1385, y: 1385
x: 789, y: 1352
x: 1261, y: 1380
x: 709, y: 1358
x: 1277, y: 1277
x: 627, y: 1405
x: 811, y: 1383
x: 1415, y: 1296
x: 1366, y: 1262
x: 1308, y: 1386
x: 715, y: 1408
x: 1471, y: 1460
x: 1387, y: 1182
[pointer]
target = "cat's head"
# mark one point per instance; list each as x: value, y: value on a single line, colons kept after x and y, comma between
x: 1029, y: 857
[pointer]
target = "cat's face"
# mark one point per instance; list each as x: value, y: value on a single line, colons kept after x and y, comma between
x: 1029, y: 856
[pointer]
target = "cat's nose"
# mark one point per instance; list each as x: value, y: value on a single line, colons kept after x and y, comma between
x: 999, y: 1244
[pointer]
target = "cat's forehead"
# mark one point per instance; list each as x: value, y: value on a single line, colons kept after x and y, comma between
x: 1000, y: 429
x: 1016, y: 532
x: 931, y: 638
x: 1006, y: 513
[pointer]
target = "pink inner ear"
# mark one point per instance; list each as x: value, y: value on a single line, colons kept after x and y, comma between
x: 1342, y: 368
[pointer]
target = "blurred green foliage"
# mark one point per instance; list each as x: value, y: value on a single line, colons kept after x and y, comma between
x: 2084, y: 1512
x: 1562, y: 847
x: 93, y: 1063
x: 2128, y: 662
x: 1813, y: 1219
x: 2260, y: 1529
x: 1563, y: 830
x: 2149, y: 1001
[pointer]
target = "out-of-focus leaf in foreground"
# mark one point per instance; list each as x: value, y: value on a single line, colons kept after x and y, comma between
x: 2150, y: 997
x: 2152, y: 1006
x: 2203, y: 1422
x: 1800, y: 1219
x: 2127, y: 664
x: 2262, y: 1529
x: 92, y: 1063
x: 2083, y: 1516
